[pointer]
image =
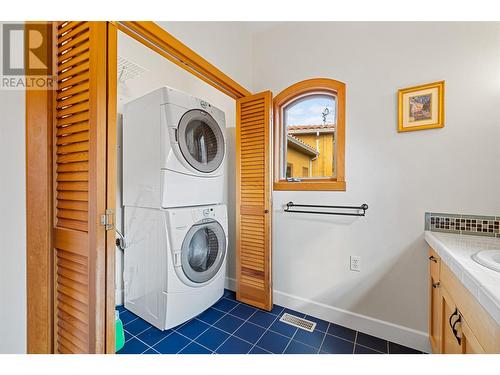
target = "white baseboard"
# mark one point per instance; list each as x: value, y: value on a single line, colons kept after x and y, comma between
x: 118, y: 297
x: 389, y: 331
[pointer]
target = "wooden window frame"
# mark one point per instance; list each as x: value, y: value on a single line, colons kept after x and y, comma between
x: 296, y: 91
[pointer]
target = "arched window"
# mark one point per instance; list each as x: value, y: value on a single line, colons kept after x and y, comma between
x: 309, y: 119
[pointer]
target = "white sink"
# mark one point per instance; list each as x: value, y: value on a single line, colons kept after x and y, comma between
x: 488, y: 258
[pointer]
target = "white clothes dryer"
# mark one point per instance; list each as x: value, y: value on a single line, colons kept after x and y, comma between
x: 174, y: 151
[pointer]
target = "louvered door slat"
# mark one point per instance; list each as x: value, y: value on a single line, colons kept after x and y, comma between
x: 68, y: 45
x: 72, y: 186
x: 74, y: 147
x: 73, y: 99
x: 71, y: 82
x: 64, y: 27
x: 76, y: 28
x: 71, y: 61
x: 73, y: 109
x: 71, y: 129
x: 77, y: 118
x: 79, y: 187
x: 73, y: 167
x: 72, y: 322
x: 81, y: 196
x: 254, y: 200
x: 81, y: 136
x: 73, y: 335
x: 73, y: 90
x: 72, y: 176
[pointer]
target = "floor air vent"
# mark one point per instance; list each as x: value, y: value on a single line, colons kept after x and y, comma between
x: 298, y: 322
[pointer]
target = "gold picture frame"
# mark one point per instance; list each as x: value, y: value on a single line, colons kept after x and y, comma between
x: 421, y: 107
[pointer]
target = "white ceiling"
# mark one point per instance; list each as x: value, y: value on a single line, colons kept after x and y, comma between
x: 255, y: 27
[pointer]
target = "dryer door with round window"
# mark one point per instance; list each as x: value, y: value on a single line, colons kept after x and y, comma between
x: 201, y: 140
x: 203, y: 251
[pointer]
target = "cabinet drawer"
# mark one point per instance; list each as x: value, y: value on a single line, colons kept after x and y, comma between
x: 434, y: 265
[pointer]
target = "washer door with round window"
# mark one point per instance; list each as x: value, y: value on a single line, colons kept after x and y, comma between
x: 203, y: 251
x: 201, y: 141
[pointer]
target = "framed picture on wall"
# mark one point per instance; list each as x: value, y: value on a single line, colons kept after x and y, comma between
x: 421, y: 107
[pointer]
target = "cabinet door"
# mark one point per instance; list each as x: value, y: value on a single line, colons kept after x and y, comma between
x: 470, y: 344
x: 434, y: 303
x: 451, y: 341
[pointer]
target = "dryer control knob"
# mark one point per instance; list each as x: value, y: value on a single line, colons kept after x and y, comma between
x: 206, y: 212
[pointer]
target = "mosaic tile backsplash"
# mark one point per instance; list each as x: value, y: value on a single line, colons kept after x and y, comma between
x: 463, y: 224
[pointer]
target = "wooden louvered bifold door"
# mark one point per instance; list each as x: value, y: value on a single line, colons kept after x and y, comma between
x: 80, y: 187
x: 253, y: 200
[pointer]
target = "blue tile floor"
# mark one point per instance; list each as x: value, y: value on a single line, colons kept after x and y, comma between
x: 231, y: 327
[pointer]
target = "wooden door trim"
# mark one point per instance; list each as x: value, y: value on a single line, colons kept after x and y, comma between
x: 39, y: 218
x: 112, y: 62
x: 97, y: 173
x: 162, y: 42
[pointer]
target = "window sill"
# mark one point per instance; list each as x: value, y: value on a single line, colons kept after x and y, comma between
x: 309, y: 186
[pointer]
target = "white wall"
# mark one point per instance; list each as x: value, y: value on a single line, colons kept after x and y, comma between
x: 400, y: 176
x: 12, y: 222
x: 161, y: 72
x: 227, y: 45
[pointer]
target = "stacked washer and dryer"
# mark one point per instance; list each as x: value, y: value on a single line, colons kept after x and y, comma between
x: 175, y: 222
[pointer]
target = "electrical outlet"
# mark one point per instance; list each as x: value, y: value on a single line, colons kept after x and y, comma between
x: 355, y: 263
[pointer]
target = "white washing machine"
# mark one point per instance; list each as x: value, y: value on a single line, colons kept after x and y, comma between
x: 175, y: 262
x: 174, y: 151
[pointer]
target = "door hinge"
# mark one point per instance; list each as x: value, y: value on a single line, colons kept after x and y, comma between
x: 108, y: 219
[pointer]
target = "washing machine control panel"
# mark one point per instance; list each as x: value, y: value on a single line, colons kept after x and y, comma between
x: 204, y: 213
x: 208, y: 212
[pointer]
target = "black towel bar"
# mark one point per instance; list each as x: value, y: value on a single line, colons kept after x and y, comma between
x: 363, y: 207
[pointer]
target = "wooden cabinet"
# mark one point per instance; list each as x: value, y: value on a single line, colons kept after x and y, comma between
x: 434, y: 302
x: 470, y: 344
x: 458, y: 337
x: 452, y: 339
x: 458, y: 324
